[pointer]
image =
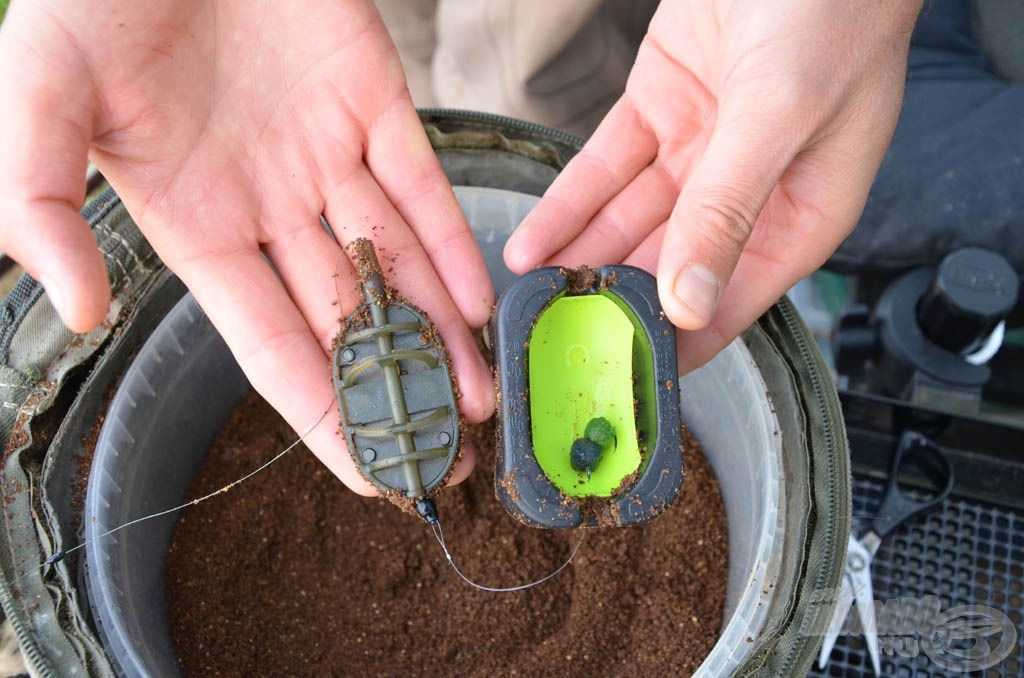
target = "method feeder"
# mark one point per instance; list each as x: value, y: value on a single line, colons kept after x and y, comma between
x: 395, y: 394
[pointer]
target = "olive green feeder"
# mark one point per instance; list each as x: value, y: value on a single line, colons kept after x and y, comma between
x: 395, y: 394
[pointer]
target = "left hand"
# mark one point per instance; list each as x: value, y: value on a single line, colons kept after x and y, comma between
x: 736, y: 162
x: 228, y: 128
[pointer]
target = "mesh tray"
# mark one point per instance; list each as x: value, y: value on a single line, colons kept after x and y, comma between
x: 967, y: 553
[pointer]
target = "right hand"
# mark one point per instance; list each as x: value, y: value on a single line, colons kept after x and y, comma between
x: 228, y: 128
x: 737, y: 160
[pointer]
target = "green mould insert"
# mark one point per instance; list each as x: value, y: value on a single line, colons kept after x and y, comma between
x: 395, y: 394
x: 589, y: 424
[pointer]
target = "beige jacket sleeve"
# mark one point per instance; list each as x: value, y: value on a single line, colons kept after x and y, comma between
x: 561, y: 64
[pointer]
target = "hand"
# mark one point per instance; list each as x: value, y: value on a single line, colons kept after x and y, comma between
x: 228, y: 128
x: 737, y: 160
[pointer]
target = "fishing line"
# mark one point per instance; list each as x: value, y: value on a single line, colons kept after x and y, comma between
x: 439, y: 535
x: 60, y: 555
x: 435, y: 523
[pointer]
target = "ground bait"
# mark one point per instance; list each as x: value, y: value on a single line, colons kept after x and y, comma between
x: 292, y: 574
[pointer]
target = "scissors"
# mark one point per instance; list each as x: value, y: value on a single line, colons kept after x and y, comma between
x: 894, y: 509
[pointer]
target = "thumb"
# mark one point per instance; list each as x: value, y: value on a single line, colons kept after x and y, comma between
x: 54, y: 245
x: 45, y: 132
x: 716, y: 213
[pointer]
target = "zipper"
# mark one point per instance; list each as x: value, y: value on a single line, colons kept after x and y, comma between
x: 456, y: 114
x: 833, y: 427
x: 20, y: 300
x: 26, y: 643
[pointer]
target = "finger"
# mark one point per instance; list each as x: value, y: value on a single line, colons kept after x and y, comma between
x: 404, y: 165
x: 55, y: 246
x: 715, y: 214
x: 777, y: 256
x: 464, y: 465
x: 409, y: 270
x: 318, y: 277
x: 621, y: 147
x: 274, y: 346
x: 645, y: 255
x: 623, y: 223
x: 784, y: 249
x: 756, y: 284
x: 749, y: 283
x: 42, y: 183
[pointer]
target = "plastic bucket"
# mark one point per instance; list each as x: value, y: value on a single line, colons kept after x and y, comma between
x: 182, y: 386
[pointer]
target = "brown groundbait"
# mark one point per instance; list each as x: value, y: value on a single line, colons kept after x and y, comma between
x: 293, y: 574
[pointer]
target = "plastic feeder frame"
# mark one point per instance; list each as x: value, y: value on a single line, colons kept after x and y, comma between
x: 395, y: 394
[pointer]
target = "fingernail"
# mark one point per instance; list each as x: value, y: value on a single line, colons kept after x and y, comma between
x: 698, y: 289
x: 54, y: 294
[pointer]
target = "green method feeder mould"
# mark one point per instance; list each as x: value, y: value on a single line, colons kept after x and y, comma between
x: 571, y: 347
x: 395, y: 394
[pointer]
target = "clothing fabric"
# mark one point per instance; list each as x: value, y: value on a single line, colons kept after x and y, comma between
x: 560, y: 64
x: 954, y: 174
x: 999, y: 29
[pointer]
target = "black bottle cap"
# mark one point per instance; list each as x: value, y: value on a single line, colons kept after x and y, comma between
x: 973, y: 291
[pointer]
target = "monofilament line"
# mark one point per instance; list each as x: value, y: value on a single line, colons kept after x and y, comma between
x: 60, y: 555
x: 439, y: 535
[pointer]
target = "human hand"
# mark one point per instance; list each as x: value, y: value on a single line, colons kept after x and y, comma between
x: 736, y: 162
x: 228, y: 128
